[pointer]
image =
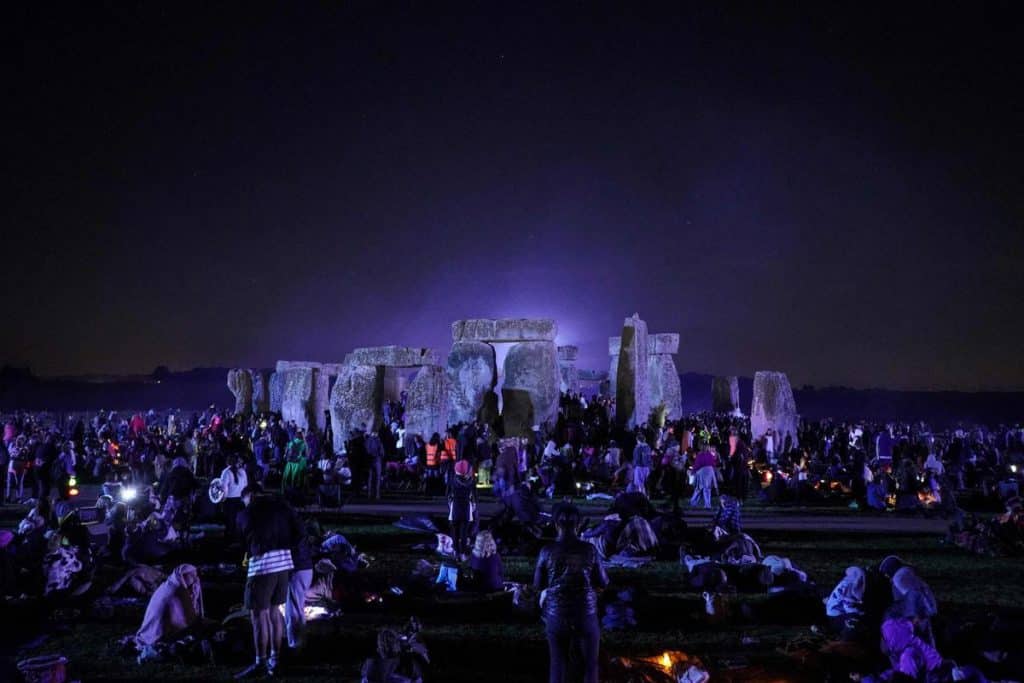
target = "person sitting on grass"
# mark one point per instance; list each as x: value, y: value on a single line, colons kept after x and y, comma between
x: 728, y: 514
x: 176, y: 606
x: 913, y: 600
x: 911, y: 658
x: 485, y: 562
x: 845, y: 604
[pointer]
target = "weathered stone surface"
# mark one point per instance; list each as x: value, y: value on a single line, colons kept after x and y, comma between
x: 240, y: 384
x: 613, y: 375
x: 725, y: 395
x: 276, y: 391
x: 472, y: 374
x: 530, y: 392
x: 355, y: 401
x: 592, y: 375
x: 426, y: 410
x: 320, y: 401
x: 504, y: 330
x: 632, y: 393
x: 284, y: 365
x: 773, y: 407
x: 260, y: 391
x: 664, y: 342
x: 570, y: 378
x: 304, y: 396
x: 663, y: 384
x: 298, y: 396
x: 393, y: 356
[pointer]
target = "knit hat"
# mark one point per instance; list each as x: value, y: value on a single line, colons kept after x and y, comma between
x: 890, y: 565
x: 462, y: 468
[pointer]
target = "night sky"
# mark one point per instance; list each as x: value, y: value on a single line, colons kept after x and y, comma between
x: 833, y: 192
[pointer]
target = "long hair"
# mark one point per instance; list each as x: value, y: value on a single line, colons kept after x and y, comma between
x: 485, y: 545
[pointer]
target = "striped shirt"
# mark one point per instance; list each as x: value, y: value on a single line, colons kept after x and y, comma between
x: 270, y: 563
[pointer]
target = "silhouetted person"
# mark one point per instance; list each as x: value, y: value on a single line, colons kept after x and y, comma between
x: 570, y: 574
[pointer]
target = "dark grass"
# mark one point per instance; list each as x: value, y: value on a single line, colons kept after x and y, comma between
x: 468, y: 638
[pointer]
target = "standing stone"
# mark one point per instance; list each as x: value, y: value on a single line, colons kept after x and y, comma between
x: 240, y: 384
x: 725, y: 395
x: 531, y: 390
x: 614, y: 348
x: 472, y: 374
x: 664, y: 385
x: 298, y: 399
x: 355, y: 401
x: 570, y: 380
x: 276, y: 391
x: 426, y: 409
x: 309, y: 397
x: 632, y: 392
x: 260, y: 391
x: 773, y: 407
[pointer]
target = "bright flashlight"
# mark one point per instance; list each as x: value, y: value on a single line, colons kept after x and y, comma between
x: 128, y: 494
x: 1013, y: 468
x: 72, y: 481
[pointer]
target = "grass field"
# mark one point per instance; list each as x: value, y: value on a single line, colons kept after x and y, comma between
x: 468, y: 638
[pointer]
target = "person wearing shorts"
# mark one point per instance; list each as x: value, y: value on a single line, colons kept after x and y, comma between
x: 269, y: 530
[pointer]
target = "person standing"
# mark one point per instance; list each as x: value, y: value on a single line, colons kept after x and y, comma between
x: 298, y: 585
x: 375, y: 462
x: 270, y: 530
x: 705, y: 477
x: 641, y: 464
x: 569, y: 574
x: 234, y: 480
x: 461, y: 504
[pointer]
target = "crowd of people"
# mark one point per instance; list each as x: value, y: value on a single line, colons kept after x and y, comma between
x: 160, y: 473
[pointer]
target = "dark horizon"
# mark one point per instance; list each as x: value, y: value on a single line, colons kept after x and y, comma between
x: 834, y: 192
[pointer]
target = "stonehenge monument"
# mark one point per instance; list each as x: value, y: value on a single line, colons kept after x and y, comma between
x: 642, y: 375
x: 276, y: 391
x: 531, y: 390
x: 659, y: 380
x: 532, y: 376
x: 304, y: 391
x: 260, y: 391
x: 355, y: 400
x: 570, y: 378
x: 662, y: 375
x: 240, y: 384
x: 632, y: 394
x: 472, y: 373
x: 725, y: 395
x: 773, y: 407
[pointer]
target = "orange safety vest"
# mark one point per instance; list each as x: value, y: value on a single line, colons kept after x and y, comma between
x: 431, y: 455
x: 450, y: 451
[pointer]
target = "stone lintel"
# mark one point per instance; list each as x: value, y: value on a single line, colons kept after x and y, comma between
x: 504, y: 329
